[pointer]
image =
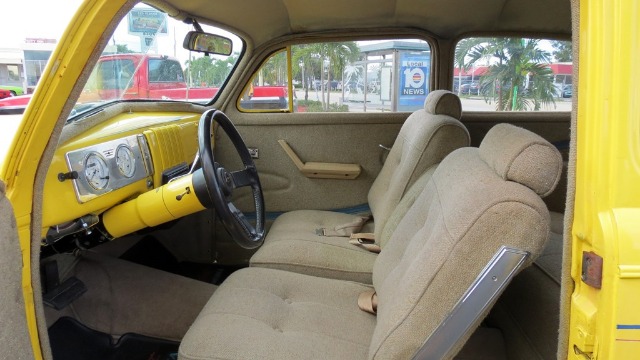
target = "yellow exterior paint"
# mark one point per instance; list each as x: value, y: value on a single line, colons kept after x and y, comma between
x: 53, y: 91
x: 607, y: 204
x: 605, y: 323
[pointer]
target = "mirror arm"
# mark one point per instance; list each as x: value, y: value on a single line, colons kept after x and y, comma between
x: 194, y: 22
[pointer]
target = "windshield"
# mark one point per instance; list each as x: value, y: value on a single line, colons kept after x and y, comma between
x: 144, y: 59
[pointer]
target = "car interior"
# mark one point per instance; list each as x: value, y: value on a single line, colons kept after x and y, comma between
x: 206, y: 230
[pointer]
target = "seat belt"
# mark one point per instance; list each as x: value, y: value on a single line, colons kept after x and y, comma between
x: 345, y: 230
x: 368, y: 301
x: 366, y: 241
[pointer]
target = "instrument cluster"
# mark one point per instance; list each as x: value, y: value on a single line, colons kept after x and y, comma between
x: 102, y: 168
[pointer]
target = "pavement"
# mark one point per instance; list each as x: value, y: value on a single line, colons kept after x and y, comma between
x: 374, y: 104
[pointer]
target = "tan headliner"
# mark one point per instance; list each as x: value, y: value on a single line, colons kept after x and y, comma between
x: 264, y: 20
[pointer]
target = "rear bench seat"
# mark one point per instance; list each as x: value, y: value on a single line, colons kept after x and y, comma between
x: 528, y: 311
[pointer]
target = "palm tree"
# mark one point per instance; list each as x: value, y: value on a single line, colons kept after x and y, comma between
x: 339, y: 55
x: 519, y: 77
x: 309, y: 56
x: 313, y: 57
x: 463, y: 48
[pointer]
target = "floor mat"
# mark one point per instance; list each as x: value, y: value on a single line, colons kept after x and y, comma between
x: 70, y: 340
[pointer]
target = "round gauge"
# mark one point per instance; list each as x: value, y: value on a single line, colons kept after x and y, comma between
x: 125, y: 160
x: 96, y: 171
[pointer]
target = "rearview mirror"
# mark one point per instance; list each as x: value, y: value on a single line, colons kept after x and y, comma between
x: 207, y: 43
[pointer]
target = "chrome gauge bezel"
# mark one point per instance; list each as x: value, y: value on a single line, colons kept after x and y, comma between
x: 119, y: 173
x: 126, y: 161
x: 96, y: 170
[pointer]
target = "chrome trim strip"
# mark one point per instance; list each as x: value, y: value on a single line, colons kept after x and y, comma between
x: 485, y: 289
x: 146, y: 154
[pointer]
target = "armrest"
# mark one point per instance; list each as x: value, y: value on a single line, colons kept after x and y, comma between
x: 322, y: 170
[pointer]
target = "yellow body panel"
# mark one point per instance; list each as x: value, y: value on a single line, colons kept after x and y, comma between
x: 605, y: 323
x: 53, y: 91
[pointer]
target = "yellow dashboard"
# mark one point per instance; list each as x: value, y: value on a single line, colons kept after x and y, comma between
x: 115, y: 161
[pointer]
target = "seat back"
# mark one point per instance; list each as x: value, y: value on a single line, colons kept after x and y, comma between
x: 426, y: 137
x: 478, y: 200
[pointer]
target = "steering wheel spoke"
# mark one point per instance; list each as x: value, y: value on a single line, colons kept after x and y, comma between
x: 242, y: 219
x: 246, y: 177
x: 221, y: 182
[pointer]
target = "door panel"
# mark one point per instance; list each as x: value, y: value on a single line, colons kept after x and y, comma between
x: 333, y: 138
x: 346, y: 138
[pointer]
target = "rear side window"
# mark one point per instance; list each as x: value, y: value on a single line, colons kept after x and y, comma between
x: 513, y: 74
x: 116, y: 74
x: 162, y: 70
x: 348, y: 76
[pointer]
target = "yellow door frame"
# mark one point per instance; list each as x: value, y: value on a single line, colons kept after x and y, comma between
x: 53, y: 93
x: 605, y: 321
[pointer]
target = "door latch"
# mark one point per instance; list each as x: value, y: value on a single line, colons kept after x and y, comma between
x: 592, y: 269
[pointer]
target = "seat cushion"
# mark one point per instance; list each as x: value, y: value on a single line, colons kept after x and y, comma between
x: 426, y: 137
x: 293, y: 245
x: 262, y: 313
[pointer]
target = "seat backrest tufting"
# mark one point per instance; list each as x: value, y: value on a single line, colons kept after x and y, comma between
x: 426, y: 137
x: 476, y: 201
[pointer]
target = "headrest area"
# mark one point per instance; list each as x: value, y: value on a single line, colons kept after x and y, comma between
x: 521, y: 156
x: 443, y: 102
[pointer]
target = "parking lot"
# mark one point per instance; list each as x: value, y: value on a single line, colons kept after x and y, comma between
x: 356, y: 103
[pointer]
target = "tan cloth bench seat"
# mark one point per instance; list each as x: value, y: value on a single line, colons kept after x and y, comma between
x: 476, y: 202
x: 293, y: 242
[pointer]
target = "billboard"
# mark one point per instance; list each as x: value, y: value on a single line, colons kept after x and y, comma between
x: 414, y: 80
x: 147, y: 21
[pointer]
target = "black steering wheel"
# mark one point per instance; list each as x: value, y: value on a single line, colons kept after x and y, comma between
x: 221, y: 182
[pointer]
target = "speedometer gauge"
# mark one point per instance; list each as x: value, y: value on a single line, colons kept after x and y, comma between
x: 96, y: 171
x: 126, y: 161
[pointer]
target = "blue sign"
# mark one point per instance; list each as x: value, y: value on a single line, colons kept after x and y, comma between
x: 414, y: 80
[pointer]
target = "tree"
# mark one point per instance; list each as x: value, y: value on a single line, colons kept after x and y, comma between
x: 313, y: 57
x: 308, y: 55
x: 274, y: 70
x: 519, y: 77
x: 562, y: 51
x: 340, y: 54
x: 208, y: 71
x: 463, y: 48
x: 123, y: 49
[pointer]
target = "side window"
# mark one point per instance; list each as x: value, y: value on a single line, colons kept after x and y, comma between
x: 348, y: 76
x: 513, y: 74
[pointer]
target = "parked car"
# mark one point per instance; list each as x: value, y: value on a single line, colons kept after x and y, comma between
x: 4, y: 93
x: 14, y: 90
x: 15, y: 101
x: 126, y: 233
x: 567, y: 91
x: 472, y: 88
